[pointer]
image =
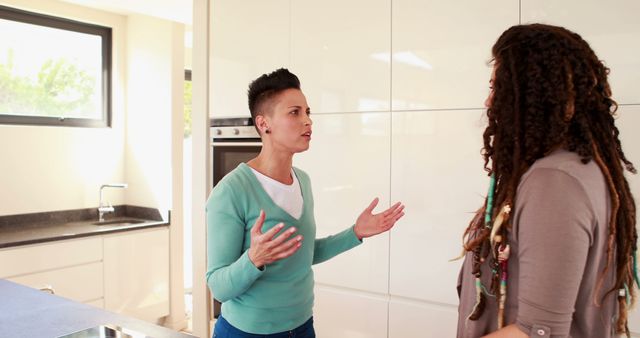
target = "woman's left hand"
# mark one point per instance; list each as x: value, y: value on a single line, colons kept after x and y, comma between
x: 368, y: 224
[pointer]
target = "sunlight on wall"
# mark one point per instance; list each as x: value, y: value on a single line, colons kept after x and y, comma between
x: 150, y: 56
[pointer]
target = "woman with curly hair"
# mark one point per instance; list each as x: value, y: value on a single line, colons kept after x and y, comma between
x: 552, y: 253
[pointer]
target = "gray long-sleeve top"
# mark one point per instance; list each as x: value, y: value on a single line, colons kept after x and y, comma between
x: 558, y: 253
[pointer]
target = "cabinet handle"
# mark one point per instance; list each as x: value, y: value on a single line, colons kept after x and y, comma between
x: 49, y: 289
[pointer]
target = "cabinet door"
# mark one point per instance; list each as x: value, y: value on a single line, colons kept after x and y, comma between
x: 249, y: 38
x: 136, y: 273
x: 437, y: 171
x: 29, y: 259
x: 440, y: 51
x: 340, y: 51
x: 82, y: 283
x: 358, y: 170
x: 408, y: 318
x: 70, y: 268
x: 346, y: 313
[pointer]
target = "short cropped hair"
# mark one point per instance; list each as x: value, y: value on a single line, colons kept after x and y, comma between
x: 267, y: 86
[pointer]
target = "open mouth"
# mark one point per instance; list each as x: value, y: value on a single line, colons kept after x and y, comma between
x: 307, y: 134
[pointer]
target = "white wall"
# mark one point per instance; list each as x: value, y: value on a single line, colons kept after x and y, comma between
x: 396, y: 88
x: 59, y: 168
x: 153, y: 56
x: 153, y: 152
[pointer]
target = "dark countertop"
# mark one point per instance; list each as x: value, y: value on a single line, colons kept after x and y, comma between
x: 17, y: 230
x: 29, y: 313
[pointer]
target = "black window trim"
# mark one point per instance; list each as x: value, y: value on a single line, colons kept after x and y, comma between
x: 105, y: 33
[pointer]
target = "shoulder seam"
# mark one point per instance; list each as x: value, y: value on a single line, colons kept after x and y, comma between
x: 565, y: 173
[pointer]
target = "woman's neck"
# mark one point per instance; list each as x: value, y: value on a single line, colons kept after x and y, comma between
x: 276, y: 165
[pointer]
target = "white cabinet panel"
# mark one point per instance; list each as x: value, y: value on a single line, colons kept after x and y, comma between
x: 99, y: 303
x: 340, y: 50
x: 437, y: 170
x: 38, y: 257
x: 348, y: 163
x: 440, y: 51
x: 611, y: 28
x: 345, y: 314
x: 627, y: 123
x: 136, y: 268
x: 249, y: 38
x: 81, y: 283
x: 421, y: 320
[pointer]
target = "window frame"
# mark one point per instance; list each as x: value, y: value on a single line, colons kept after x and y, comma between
x: 18, y: 15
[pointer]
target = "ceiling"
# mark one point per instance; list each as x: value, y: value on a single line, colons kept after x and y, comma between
x: 174, y: 10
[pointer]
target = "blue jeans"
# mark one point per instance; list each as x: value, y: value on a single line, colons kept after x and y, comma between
x: 225, y: 330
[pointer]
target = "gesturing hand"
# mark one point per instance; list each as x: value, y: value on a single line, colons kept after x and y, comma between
x: 265, y: 249
x: 368, y: 224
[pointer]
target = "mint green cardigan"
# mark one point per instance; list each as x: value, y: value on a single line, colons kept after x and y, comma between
x: 280, y: 297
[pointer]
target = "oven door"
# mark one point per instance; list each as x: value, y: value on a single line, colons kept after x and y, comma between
x: 226, y: 156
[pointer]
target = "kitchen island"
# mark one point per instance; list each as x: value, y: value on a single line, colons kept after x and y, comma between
x: 30, y: 313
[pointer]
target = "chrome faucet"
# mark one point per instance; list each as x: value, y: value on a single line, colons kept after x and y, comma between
x: 102, y: 208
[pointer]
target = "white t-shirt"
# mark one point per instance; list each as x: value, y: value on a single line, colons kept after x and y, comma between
x: 287, y: 197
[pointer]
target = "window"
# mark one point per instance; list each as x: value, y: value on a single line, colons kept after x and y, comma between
x: 53, y: 71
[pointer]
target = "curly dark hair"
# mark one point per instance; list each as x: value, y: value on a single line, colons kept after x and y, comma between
x: 551, y: 90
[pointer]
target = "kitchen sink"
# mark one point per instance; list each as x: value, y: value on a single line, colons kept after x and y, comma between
x: 106, y: 331
x: 119, y: 222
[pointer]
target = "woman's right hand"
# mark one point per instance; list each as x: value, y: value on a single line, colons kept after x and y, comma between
x: 266, y: 249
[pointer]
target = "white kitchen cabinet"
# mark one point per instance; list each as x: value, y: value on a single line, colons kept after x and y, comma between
x: 348, y: 163
x: 437, y: 171
x: 248, y: 38
x: 340, y: 51
x: 441, y: 49
x: 70, y: 269
x: 410, y: 319
x: 349, y: 314
x: 136, y: 273
x: 22, y: 260
x: 126, y: 272
x: 82, y: 283
x: 610, y: 28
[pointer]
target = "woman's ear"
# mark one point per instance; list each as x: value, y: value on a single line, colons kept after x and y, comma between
x: 262, y: 124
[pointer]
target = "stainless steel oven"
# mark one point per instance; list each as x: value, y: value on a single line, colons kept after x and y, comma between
x: 233, y: 141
